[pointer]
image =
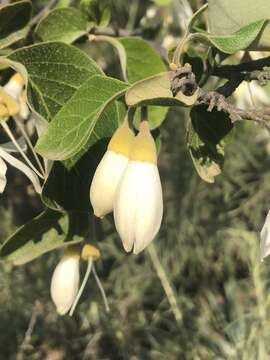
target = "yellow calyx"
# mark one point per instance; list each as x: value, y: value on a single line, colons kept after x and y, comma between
x: 18, y: 78
x: 90, y: 251
x: 144, y: 147
x: 122, y: 140
x: 173, y: 66
x: 92, y: 37
x: 9, y: 103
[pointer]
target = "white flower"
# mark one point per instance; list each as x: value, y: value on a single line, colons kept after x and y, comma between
x: 265, y: 238
x: 138, y: 205
x: 248, y: 94
x: 65, y: 281
x: 110, y: 170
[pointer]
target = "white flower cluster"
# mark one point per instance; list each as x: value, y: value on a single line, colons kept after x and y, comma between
x: 13, y: 104
x: 127, y: 182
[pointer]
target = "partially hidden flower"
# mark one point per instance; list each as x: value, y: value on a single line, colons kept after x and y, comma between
x: 15, y: 88
x: 265, y: 238
x: 138, y: 205
x: 65, y: 281
x: 110, y: 170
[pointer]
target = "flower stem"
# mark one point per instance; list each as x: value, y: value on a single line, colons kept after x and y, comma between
x: 104, y: 297
x: 86, y: 276
x: 12, y: 138
x: 27, y: 139
x: 165, y: 282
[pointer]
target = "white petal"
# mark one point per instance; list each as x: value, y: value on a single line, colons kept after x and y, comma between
x: 11, y: 148
x: 65, y: 283
x: 265, y: 238
x: 3, y: 178
x: 105, y: 181
x: 138, y: 206
x: 23, y: 168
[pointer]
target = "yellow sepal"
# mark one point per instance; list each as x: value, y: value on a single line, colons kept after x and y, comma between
x: 144, y: 147
x: 12, y: 106
x: 18, y: 78
x: 90, y: 251
x: 122, y: 140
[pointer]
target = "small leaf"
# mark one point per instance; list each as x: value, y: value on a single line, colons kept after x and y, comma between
x: 48, y: 231
x: 239, y: 40
x: 62, y: 24
x: 227, y: 17
x: 155, y: 90
x: 14, y: 19
x: 207, y: 135
x: 81, y: 120
x: 55, y: 71
x: 142, y: 60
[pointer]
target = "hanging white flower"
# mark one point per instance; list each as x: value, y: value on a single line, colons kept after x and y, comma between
x: 265, y: 238
x: 110, y: 170
x: 138, y: 205
x: 65, y: 281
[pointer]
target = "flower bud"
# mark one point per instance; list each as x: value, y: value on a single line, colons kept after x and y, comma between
x: 138, y: 205
x: 265, y: 238
x: 65, y: 281
x: 110, y: 170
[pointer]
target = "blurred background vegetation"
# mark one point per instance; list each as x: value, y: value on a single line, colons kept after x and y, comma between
x: 200, y: 292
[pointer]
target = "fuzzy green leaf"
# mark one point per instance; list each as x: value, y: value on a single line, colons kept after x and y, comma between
x: 227, y: 17
x: 239, y: 40
x: 48, y: 231
x: 207, y: 135
x: 62, y: 24
x: 55, y: 71
x: 155, y: 90
x: 14, y: 20
x: 81, y: 121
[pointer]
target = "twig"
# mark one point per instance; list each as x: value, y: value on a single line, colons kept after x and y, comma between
x: 27, y: 336
x: 42, y: 12
x: 165, y: 282
x: 230, y: 71
x: 184, y: 81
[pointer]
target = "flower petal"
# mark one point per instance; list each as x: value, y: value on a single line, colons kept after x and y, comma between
x: 265, y: 238
x: 65, y: 283
x: 3, y: 178
x: 138, y: 205
x: 105, y: 181
x: 23, y: 168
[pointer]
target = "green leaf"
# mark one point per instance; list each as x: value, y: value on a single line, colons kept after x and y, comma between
x: 63, y: 24
x: 48, y: 231
x: 81, y: 121
x: 142, y: 60
x: 55, y: 71
x: 155, y: 90
x: 14, y: 19
x: 68, y: 184
x: 239, y: 40
x: 208, y: 134
x: 227, y: 17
